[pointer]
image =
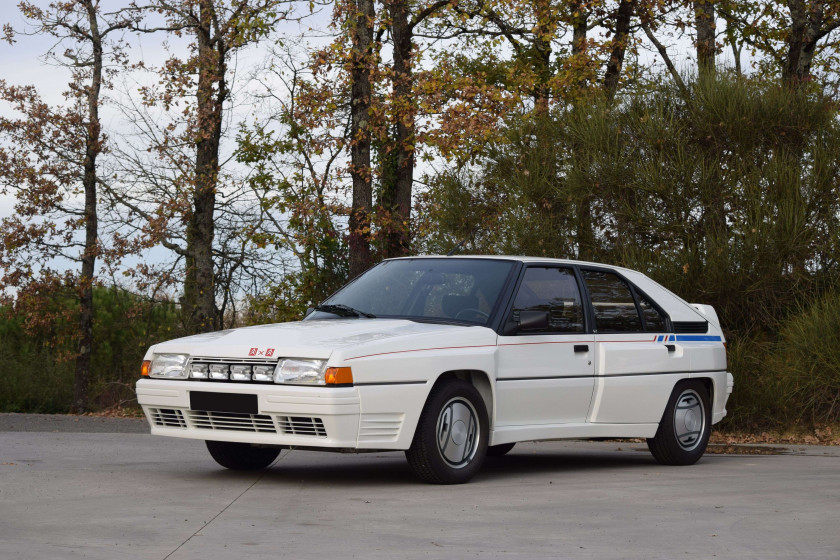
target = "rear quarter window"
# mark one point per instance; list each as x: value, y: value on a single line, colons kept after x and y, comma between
x: 612, y: 302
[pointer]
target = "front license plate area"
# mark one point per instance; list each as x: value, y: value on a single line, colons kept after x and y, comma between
x: 223, y: 402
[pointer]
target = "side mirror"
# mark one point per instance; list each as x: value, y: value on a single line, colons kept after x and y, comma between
x: 528, y: 320
x: 533, y: 320
x: 309, y: 311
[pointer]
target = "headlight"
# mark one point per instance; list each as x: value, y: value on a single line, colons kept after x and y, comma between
x: 300, y: 372
x: 169, y: 366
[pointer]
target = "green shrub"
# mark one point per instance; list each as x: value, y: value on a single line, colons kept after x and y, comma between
x: 754, y: 403
x: 36, y: 376
x: 807, y: 362
x: 30, y: 378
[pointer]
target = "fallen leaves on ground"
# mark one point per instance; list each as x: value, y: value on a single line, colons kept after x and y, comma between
x: 728, y: 449
x: 819, y: 435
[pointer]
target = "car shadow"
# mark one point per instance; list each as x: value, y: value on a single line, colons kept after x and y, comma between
x: 384, y: 468
x: 558, y: 462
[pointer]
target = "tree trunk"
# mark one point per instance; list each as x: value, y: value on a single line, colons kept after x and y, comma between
x: 805, y: 31
x: 93, y: 147
x: 584, y: 234
x: 399, y: 212
x: 544, y: 32
x: 669, y: 64
x: 580, y: 26
x: 360, y: 103
x: 733, y: 36
x: 619, y: 47
x: 199, y: 305
x: 704, y: 22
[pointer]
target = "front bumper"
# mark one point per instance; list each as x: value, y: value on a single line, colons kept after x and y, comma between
x: 326, y: 417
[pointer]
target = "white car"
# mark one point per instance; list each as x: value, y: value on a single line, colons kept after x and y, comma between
x: 451, y: 359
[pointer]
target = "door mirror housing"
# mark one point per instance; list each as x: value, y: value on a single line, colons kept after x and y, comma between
x: 528, y: 320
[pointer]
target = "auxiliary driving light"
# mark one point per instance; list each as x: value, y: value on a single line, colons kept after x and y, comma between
x: 199, y: 371
x: 240, y: 373
x: 264, y: 373
x: 219, y: 372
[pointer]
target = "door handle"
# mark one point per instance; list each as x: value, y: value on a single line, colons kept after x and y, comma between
x: 581, y: 348
x: 671, y: 347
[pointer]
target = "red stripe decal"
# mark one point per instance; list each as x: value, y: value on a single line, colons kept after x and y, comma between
x: 420, y: 350
x: 547, y: 342
x: 491, y: 346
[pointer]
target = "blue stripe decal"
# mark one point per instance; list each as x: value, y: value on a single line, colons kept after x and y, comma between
x: 697, y: 338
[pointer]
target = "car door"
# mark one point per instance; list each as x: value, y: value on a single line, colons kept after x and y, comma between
x: 637, y: 361
x: 545, y: 371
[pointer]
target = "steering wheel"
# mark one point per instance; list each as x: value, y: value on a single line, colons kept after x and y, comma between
x: 473, y: 310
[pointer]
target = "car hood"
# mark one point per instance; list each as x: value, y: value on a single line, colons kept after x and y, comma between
x: 321, y: 338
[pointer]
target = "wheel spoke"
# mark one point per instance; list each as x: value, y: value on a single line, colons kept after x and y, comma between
x: 468, y: 444
x: 457, y: 431
x: 444, y: 427
x: 689, y: 420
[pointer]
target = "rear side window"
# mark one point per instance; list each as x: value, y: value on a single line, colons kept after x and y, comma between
x: 654, y: 320
x: 613, y: 303
x: 554, y: 290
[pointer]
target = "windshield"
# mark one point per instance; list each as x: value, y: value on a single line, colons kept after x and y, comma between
x: 445, y: 289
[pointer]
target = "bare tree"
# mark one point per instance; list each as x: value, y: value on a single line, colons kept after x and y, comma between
x: 218, y: 29
x: 50, y: 161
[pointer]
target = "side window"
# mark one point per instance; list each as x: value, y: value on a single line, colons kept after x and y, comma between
x: 556, y: 291
x: 613, y: 303
x: 654, y: 320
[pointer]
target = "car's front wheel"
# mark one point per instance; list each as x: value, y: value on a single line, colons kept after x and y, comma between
x: 685, y: 427
x: 241, y: 456
x: 450, y: 443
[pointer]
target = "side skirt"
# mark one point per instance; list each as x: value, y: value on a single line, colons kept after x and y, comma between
x: 510, y: 434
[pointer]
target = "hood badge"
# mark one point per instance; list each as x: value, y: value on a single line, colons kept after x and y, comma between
x: 268, y: 352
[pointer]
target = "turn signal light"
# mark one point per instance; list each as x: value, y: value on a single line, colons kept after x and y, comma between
x: 338, y: 376
x: 144, y: 369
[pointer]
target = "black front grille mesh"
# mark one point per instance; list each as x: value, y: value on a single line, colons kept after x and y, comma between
x: 307, y: 426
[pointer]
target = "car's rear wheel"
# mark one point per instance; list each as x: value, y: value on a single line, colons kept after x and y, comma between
x: 499, y: 450
x: 450, y: 443
x: 241, y: 456
x: 685, y: 426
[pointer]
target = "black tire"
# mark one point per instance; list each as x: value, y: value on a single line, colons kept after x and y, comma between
x: 684, y: 430
x: 499, y: 450
x: 454, y: 412
x: 241, y: 456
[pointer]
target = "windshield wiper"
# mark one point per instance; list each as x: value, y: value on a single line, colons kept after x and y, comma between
x: 343, y: 310
x: 440, y: 321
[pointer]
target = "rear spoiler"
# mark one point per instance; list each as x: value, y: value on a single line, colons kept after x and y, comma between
x: 708, y: 312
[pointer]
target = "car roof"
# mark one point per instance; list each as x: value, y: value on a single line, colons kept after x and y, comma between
x: 520, y: 258
x: 674, y: 305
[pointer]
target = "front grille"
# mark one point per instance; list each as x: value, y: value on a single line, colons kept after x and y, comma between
x: 168, y: 417
x: 302, y: 426
x: 231, y: 421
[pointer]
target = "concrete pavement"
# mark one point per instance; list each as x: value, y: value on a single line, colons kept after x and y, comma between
x: 135, y: 496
